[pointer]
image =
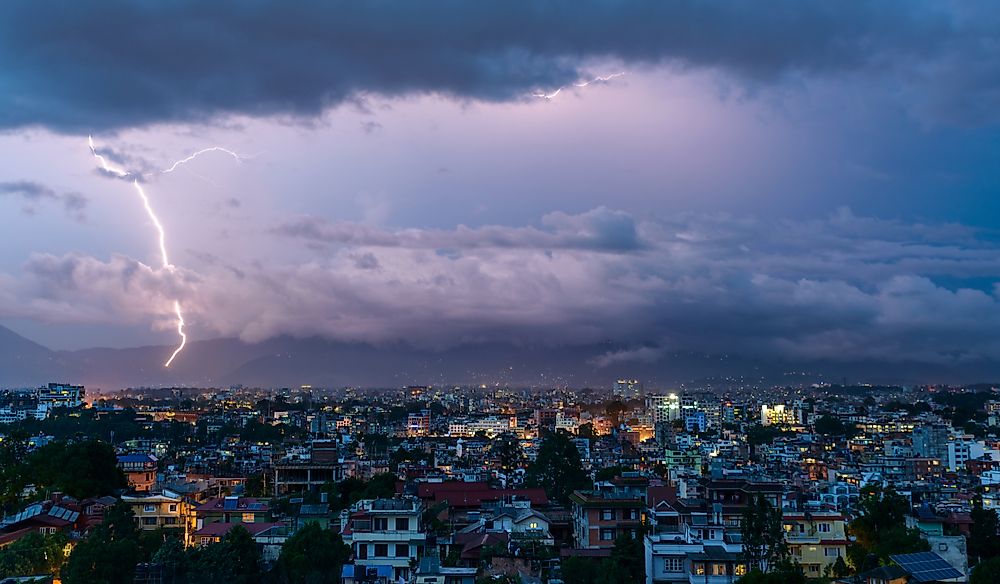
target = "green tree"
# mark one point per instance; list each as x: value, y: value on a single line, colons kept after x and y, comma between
x: 172, y: 560
x: 507, y: 449
x: 784, y: 572
x: 626, y: 564
x: 81, y: 469
x: 984, y: 539
x: 577, y: 570
x: 880, y: 530
x: 763, y: 538
x: 234, y: 560
x: 987, y: 572
x: 109, y: 554
x: 832, y: 426
x: 557, y: 468
x: 33, y: 554
x: 312, y: 556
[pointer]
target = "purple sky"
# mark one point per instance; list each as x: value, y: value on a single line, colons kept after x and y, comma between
x: 797, y: 181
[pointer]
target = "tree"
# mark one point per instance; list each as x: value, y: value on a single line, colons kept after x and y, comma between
x: 507, y: 449
x: 763, y: 538
x: 312, y: 556
x: 832, y: 426
x: 109, y: 555
x: 578, y: 570
x: 80, y: 469
x: 984, y: 540
x: 987, y: 572
x: 626, y: 564
x: 234, y: 560
x: 784, y: 572
x: 880, y: 530
x: 557, y: 468
x: 33, y: 554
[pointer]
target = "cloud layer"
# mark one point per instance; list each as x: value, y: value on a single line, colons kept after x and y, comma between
x: 31, y: 193
x: 112, y: 64
x: 841, y: 288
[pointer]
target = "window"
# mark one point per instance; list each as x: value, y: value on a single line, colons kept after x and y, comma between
x: 673, y: 564
x: 381, y: 550
x: 533, y: 525
x: 247, y: 518
x: 942, y: 547
x: 381, y: 524
x: 173, y: 508
x: 607, y: 535
x: 402, y: 523
x: 824, y: 528
x: 718, y: 569
x: 149, y: 508
x: 607, y: 514
x: 402, y: 550
x: 362, y: 551
x: 632, y: 514
x: 831, y: 552
x: 740, y: 569
x: 813, y: 568
x: 149, y: 520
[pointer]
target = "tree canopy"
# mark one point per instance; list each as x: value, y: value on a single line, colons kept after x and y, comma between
x: 558, y: 468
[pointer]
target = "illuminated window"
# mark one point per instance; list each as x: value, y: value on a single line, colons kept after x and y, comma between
x: 248, y: 518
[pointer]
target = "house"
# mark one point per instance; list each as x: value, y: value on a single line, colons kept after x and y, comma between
x: 815, y: 540
x: 386, y: 532
x: 245, y: 510
x: 140, y: 469
x: 612, y: 509
x: 166, y: 511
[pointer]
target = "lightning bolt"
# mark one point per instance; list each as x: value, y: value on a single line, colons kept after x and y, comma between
x: 602, y: 79
x: 120, y: 172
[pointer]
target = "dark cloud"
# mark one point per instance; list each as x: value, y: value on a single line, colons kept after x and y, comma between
x: 600, y: 229
x: 32, y: 192
x: 841, y: 288
x: 114, y: 63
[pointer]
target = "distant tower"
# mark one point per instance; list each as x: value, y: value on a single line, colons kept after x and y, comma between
x: 627, y: 389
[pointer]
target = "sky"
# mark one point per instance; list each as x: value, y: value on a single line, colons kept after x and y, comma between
x: 801, y: 179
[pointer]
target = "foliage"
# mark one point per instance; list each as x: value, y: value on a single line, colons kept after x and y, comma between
x: 758, y: 434
x: 879, y: 529
x: 832, y: 426
x: 312, y: 556
x: 577, y: 570
x: 984, y: 540
x: 80, y: 469
x: 763, y: 538
x: 507, y: 449
x: 33, y: 554
x: 987, y: 572
x: 609, y: 473
x: 626, y: 564
x: 234, y: 560
x: 784, y: 572
x: 109, y: 555
x: 557, y: 468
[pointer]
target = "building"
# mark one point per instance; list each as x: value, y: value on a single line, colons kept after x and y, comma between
x: 61, y: 395
x: 140, y: 469
x: 780, y: 414
x: 815, y: 540
x: 232, y: 509
x: 627, y: 389
x: 611, y: 509
x: 385, y: 532
x: 931, y: 441
x: 308, y: 473
x: 663, y: 408
x: 418, y: 424
x: 165, y: 511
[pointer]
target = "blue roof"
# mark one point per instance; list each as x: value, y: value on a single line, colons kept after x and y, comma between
x: 382, y: 571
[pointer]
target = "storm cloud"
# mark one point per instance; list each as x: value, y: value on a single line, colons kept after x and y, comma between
x: 841, y: 288
x: 114, y: 64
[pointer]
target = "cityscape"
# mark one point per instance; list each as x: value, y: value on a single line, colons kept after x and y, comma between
x: 500, y: 292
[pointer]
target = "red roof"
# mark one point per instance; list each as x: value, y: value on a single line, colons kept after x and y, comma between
x: 459, y: 494
x: 218, y: 528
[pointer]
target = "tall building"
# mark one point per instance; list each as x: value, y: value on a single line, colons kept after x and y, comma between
x: 628, y: 389
x: 60, y: 395
x: 931, y: 441
x: 664, y: 408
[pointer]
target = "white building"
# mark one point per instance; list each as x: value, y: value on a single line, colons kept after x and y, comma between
x: 386, y: 532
